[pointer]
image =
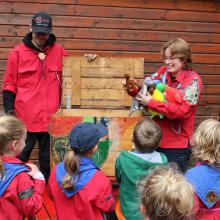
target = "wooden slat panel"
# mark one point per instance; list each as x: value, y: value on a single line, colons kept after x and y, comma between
x: 115, y: 34
x: 212, y: 6
x: 103, y: 11
x: 98, y: 83
x: 159, y: 25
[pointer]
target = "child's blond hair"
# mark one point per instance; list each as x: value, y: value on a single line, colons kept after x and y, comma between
x: 179, y: 49
x: 167, y: 195
x: 11, y: 129
x: 207, y: 142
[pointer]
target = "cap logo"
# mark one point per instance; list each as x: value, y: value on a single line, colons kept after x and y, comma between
x: 40, y: 20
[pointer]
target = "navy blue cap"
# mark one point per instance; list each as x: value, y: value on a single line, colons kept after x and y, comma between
x: 84, y: 136
x: 41, y: 23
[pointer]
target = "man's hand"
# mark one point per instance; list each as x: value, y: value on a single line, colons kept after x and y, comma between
x: 90, y: 57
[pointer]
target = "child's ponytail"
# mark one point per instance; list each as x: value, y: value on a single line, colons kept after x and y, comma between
x: 71, y: 162
x: 1, y: 170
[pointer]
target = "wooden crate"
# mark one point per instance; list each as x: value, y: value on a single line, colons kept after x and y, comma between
x: 98, y: 84
x: 97, y: 95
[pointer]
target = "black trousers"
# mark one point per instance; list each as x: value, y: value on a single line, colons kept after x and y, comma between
x: 43, y: 139
x: 178, y: 156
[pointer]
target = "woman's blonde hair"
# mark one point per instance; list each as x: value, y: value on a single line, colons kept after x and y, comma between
x: 207, y: 142
x: 11, y: 129
x: 167, y: 195
x: 179, y: 49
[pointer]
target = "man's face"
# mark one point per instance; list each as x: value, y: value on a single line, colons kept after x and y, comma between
x: 39, y: 39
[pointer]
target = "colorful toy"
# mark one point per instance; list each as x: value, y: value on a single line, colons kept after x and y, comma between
x: 159, y: 96
x: 131, y: 86
x: 173, y: 95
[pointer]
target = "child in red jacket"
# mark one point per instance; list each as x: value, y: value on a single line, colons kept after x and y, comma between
x: 78, y: 188
x: 21, y: 184
x: 205, y: 177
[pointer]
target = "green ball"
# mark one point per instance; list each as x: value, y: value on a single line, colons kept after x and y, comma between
x: 161, y: 87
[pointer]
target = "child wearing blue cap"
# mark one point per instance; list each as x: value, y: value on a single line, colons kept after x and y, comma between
x: 205, y: 177
x: 78, y: 188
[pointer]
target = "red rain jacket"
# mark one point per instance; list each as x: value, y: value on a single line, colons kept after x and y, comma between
x: 36, y: 83
x: 11, y: 206
x: 89, y: 203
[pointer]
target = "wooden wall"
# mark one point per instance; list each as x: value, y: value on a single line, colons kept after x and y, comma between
x: 126, y: 28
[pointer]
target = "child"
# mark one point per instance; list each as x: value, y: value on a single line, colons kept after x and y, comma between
x: 134, y: 166
x: 178, y: 124
x: 79, y: 189
x: 21, y: 185
x: 167, y: 196
x: 205, y: 177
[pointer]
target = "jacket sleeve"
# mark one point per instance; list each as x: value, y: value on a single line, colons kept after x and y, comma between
x: 118, y: 170
x: 171, y: 110
x: 29, y: 194
x: 8, y: 101
x: 104, y: 199
x: 174, y: 110
x: 51, y: 181
x: 10, y: 76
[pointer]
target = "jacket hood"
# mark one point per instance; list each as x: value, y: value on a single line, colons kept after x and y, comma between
x: 86, y: 171
x: 137, y: 165
x: 27, y: 41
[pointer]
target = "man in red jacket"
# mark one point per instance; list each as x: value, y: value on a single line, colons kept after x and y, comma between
x: 32, y: 85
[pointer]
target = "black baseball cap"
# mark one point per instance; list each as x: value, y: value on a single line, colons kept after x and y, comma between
x: 41, y: 23
x: 84, y: 136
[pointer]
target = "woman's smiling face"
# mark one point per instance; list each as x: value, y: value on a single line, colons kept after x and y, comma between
x: 174, y: 64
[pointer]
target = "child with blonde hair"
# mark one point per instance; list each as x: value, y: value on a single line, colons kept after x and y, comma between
x: 79, y: 189
x: 21, y: 184
x: 205, y: 177
x: 167, y: 196
x: 132, y: 167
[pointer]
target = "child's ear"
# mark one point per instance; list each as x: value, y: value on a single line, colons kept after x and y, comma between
x: 94, y: 149
x: 143, y: 211
x: 12, y: 145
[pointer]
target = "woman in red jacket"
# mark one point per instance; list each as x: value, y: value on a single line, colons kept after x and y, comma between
x: 178, y: 122
x: 21, y: 185
x: 79, y: 189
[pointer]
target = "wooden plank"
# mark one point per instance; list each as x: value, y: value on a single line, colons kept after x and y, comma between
x: 97, y: 112
x: 189, y: 5
x: 208, y: 110
x: 210, y: 100
x: 109, y: 83
x: 111, y: 72
x: 67, y: 21
x: 151, y: 57
x: 99, y: 103
x: 105, y: 11
x: 141, y: 46
x: 211, y: 90
x: 76, y: 82
x: 114, y: 34
x: 105, y: 94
